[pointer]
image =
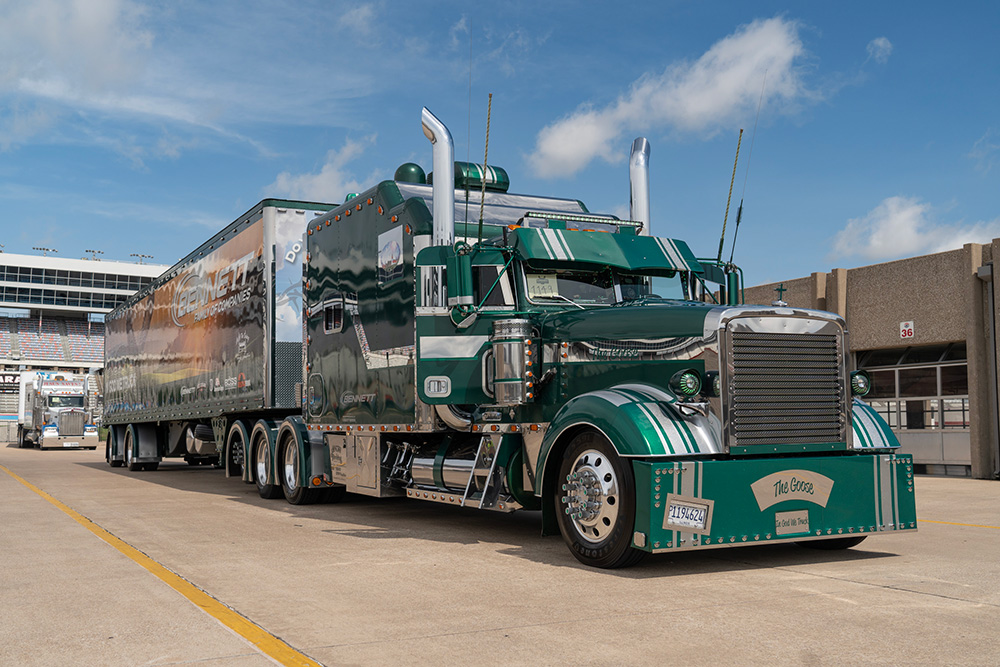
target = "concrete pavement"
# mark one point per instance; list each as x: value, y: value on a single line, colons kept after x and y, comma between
x: 371, y: 581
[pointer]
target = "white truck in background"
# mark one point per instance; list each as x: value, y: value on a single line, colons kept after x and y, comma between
x: 52, y: 413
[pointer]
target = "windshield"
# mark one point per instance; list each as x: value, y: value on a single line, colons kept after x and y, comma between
x: 602, y: 287
x: 65, y: 401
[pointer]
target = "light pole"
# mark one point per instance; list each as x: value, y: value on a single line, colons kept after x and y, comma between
x: 94, y: 254
x: 45, y: 251
x: 141, y: 256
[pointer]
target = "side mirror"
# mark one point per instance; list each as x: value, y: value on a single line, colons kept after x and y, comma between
x: 459, y: 269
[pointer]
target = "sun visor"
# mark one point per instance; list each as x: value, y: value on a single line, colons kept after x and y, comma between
x: 639, y: 254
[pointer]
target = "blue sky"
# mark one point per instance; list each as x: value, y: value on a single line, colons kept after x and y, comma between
x: 144, y: 127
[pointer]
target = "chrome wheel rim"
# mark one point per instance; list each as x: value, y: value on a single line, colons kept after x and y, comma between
x: 261, y: 466
x: 291, y: 468
x: 590, y: 496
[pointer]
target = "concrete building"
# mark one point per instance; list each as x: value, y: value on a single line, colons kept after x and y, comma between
x: 52, y: 316
x: 925, y: 328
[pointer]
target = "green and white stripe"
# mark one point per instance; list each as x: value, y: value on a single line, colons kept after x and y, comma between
x: 555, y: 244
x: 870, y: 430
x: 673, y: 253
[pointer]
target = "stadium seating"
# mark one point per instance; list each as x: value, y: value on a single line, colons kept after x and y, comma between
x: 5, y: 338
x: 86, y: 341
x: 39, y: 339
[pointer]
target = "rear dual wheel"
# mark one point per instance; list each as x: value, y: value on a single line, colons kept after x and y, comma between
x: 289, y: 473
x: 261, y: 464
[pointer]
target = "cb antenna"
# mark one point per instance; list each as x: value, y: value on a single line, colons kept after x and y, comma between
x: 753, y: 137
x: 722, y: 239
x: 486, y: 154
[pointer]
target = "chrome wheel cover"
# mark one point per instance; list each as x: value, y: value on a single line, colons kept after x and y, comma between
x: 590, y: 496
x: 261, y: 463
x: 291, y: 468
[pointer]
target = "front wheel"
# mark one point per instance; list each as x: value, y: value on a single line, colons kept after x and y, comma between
x: 595, y: 503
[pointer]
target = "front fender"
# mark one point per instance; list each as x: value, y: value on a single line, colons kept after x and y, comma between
x: 639, y: 420
x: 870, y: 430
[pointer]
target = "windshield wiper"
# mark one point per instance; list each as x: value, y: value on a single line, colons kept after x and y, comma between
x: 560, y: 296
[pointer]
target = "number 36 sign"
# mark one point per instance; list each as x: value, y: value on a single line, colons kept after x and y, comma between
x: 906, y: 329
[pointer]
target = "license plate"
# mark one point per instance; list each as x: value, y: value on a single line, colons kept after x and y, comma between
x: 71, y: 444
x: 687, y: 515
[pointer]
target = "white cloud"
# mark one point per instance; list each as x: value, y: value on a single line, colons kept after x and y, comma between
x: 985, y: 150
x: 903, y: 227
x: 879, y: 50
x: 331, y: 183
x: 716, y: 90
x: 358, y: 20
x: 90, y: 45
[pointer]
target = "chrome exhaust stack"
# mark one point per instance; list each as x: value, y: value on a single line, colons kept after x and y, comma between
x: 444, y: 178
x: 638, y: 176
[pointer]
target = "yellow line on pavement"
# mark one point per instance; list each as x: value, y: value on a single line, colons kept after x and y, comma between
x: 269, y: 644
x: 953, y: 523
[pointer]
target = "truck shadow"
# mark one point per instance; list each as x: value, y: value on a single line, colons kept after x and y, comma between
x: 516, y: 534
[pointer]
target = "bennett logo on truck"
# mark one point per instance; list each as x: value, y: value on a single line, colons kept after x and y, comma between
x: 201, y: 294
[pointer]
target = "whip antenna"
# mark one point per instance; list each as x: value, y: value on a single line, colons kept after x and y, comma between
x: 753, y: 137
x: 486, y: 153
x: 722, y: 239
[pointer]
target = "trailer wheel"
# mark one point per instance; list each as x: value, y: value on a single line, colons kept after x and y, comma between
x: 289, y: 473
x: 595, y: 503
x: 107, y: 455
x: 833, y: 544
x: 130, y: 461
x: 261, y: 462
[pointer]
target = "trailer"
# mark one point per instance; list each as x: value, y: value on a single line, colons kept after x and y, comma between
x: 521, y: 352
x: 52, y: 411
x: 210, y: 347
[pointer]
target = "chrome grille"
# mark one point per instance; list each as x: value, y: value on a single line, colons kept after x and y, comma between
x: 71, y: 423
x: 786, y: 388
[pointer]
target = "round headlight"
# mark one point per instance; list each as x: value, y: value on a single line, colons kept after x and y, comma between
x: 686, y: 383
x: 861, y: 383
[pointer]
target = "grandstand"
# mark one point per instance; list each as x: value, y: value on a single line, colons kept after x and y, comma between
x: 52, y: 309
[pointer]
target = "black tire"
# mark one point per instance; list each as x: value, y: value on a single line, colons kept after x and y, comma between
x: 151, y: 466
x: 130, y: 462
x: 107, y: 455
x: 261, y: 463
x: 288, y: 471
x: 235, y: 456
x: 602, y: 536
x: 833, y: 544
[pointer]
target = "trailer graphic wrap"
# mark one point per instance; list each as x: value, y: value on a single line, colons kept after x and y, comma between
x: 197, y: 339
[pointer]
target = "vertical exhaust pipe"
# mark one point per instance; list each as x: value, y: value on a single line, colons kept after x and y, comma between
x: 638, y: 176
x: 444, y: 178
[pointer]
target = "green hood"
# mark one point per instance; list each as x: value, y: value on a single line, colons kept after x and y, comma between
x: 648, y: 319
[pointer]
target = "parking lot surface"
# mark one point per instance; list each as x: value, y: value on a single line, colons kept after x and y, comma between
x: 368, y: 581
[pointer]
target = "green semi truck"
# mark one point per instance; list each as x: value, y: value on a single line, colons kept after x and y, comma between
x: 470, y: 346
